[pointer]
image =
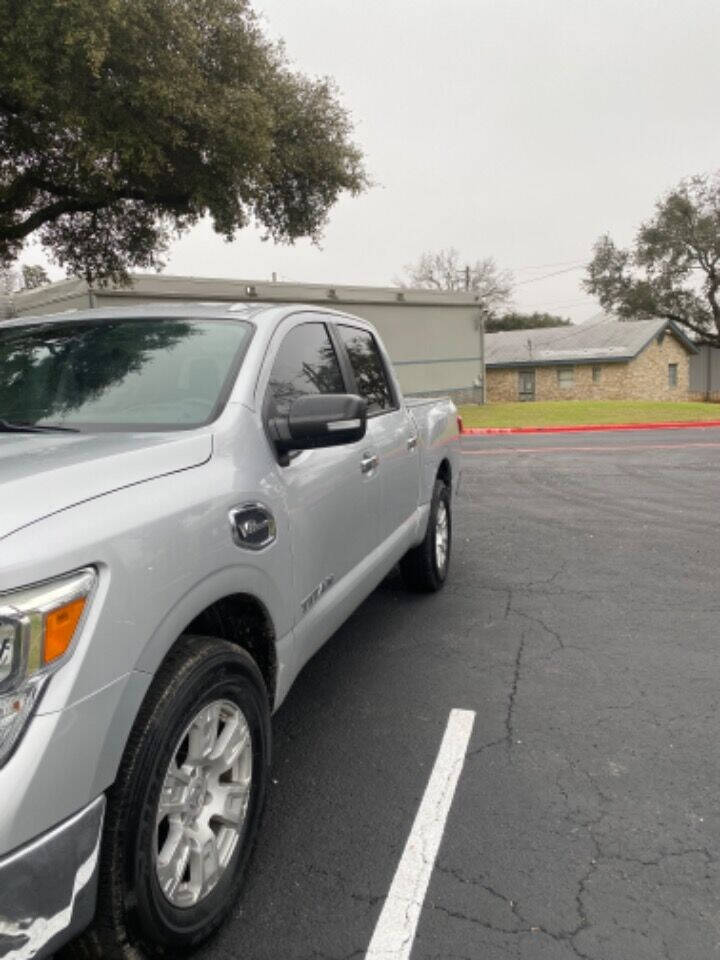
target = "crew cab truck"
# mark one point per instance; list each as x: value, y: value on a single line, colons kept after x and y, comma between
x: 193, y: 498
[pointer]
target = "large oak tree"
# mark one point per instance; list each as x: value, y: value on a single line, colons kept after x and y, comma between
x: 673, y: 269
x: 122, y: 121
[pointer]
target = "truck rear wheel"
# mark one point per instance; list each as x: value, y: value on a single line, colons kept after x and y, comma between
x: 184, y: 811
x: 424, y: 568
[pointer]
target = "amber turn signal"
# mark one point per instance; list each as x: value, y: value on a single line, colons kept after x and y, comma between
x: 60, y: 627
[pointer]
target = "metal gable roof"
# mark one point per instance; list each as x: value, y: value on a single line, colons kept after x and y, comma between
x: 604, y: 339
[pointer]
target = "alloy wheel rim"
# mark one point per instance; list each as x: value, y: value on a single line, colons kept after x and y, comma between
x: 203, y: 803
x: 442, y: 536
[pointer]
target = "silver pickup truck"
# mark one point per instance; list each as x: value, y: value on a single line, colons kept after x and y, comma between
x: 193, y: 498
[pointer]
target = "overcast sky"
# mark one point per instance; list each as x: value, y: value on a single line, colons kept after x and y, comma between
x: 518, y: 129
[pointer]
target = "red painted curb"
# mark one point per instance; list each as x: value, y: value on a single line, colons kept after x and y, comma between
x: 667, y: 425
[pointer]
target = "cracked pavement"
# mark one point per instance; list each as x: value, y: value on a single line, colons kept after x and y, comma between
x: 580, y: 623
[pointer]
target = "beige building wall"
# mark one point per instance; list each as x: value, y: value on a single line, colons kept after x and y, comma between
x: 502, y: 385
x: 55, y: 298
x: 647, y: 376
x: 432, y: 348
x: 433, y: 337
x: 644, y: 378
x: 612, y: 385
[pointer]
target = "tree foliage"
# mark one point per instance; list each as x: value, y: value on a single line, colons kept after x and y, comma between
x: 124, y: 120
x: 673, y: 270
x: 29, y: 277
x: 33, y: 276
x: 524, y: 321
x: 446, y: 270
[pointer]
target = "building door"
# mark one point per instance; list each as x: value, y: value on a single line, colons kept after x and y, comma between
x: 526, y: 384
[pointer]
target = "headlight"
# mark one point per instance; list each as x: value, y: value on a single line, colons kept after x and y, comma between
x: 37, y: 628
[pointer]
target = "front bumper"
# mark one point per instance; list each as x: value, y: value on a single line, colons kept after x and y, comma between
x: 48, y: 886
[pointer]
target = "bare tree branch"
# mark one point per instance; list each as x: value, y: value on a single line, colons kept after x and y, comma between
x: 446, y: 270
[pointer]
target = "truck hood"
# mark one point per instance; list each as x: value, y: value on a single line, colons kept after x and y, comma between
x: 41, y: 474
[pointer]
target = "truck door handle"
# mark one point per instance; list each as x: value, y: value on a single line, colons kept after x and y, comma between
x: 412, y: 442
x: 369, y: 463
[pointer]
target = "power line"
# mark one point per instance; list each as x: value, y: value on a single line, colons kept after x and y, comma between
x: 546, y: 276
x: 551, y: 307
x: 547, y: 266
x: 581, y: 298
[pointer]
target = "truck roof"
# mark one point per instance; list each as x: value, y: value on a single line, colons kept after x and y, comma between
x: 242, y: 310
x: 171, y: 308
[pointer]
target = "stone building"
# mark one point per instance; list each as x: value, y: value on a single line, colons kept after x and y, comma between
x: 603, y: 359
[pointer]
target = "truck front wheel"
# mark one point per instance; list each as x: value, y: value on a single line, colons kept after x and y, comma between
x: 425, y: 567
x: 185, y: 808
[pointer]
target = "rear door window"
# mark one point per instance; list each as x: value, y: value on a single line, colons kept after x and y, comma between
x: 368, y: 368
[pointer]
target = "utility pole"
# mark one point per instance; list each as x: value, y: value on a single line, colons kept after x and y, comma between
x: 482, y: 354
x: 480, y: 382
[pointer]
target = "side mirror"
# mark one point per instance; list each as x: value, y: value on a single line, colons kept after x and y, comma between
x: 320, y: 420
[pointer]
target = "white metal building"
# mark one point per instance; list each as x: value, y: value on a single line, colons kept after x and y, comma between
x: 435, y: 339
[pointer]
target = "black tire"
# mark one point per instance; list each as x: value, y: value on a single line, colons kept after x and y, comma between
x: 134, y: 920
x: 420, y: 568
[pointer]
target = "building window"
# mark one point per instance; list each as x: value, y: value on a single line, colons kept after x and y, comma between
x: 566, y: 377
x: 672, y: 374
x: 597, y: 374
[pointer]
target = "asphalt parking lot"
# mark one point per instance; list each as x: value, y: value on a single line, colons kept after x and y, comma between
x: 580, y: 623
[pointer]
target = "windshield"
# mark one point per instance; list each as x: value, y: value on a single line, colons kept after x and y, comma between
x: 138, y: 374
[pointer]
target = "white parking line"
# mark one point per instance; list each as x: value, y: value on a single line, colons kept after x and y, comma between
x: 395, y: 930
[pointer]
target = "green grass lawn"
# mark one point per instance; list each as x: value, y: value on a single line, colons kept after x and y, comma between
x: 569, y: 412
